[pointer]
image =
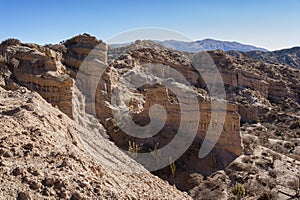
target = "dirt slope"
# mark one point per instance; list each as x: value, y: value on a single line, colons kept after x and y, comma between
x: 42, y: 157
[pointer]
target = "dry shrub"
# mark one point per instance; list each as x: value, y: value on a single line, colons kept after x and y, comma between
x: 11, y: 41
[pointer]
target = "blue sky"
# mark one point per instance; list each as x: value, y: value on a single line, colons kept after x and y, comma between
x: 273, y: 24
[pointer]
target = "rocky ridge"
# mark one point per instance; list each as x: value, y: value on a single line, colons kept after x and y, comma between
x: 289, y: 57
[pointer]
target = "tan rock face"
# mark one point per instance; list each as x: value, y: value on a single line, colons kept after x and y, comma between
x: 255, y: 85
x: 40, y: 69
x: 79, y: 47
x: 80, y: 56
x: 279, y: 88
x: 229, y: 144
x: 240, y: 73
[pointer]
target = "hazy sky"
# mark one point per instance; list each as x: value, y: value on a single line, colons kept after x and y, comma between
x: 273, y: 24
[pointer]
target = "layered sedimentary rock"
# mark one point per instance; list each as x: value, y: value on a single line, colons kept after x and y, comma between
x: 228, y: 145
x: 40, y: 69
x: 79, y: 47
x: 256, y: 85
x: 86, y: 59
x: 239, y: 73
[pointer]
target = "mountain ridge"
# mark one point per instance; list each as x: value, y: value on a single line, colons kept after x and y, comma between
x: 209, y: 44
x: 201, y: 45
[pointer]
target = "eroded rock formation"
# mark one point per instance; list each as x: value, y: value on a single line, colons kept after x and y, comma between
x: 40, y: 69
x: 56, y: 73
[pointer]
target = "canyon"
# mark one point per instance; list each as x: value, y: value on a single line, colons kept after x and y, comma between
x: 57, y: 107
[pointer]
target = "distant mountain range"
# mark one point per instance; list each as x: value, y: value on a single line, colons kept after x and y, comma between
x: 201, y: 45
x: 289, y: 57
x: 208, y: 44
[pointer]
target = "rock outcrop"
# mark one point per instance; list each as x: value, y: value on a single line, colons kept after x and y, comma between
x: 257, y: 86
x: 40, y: 69
x: 289, y: 57
x: 44, y: 69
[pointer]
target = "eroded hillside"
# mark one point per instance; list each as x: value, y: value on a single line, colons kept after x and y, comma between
x: 44, y: 156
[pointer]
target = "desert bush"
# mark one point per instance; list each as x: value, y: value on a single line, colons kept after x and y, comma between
x: 249, y: 142
x: 265, y: 196
x: 133, y: 148
x: 278, y: 147
x: 156, y: 153
x: 265, y: 163
x: 11, y: 41
x: 72, y: 41
x: 13, y: 62
x: 289, y: 145
x: 172, y: 167
x: 295, y: 184
x: 276, y: 156
x: 237, y: 166
x: 265, y: 181
x: 247, y: 159
x: 293, y: 163
x: 251, y: 169
x: 213, y: 161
